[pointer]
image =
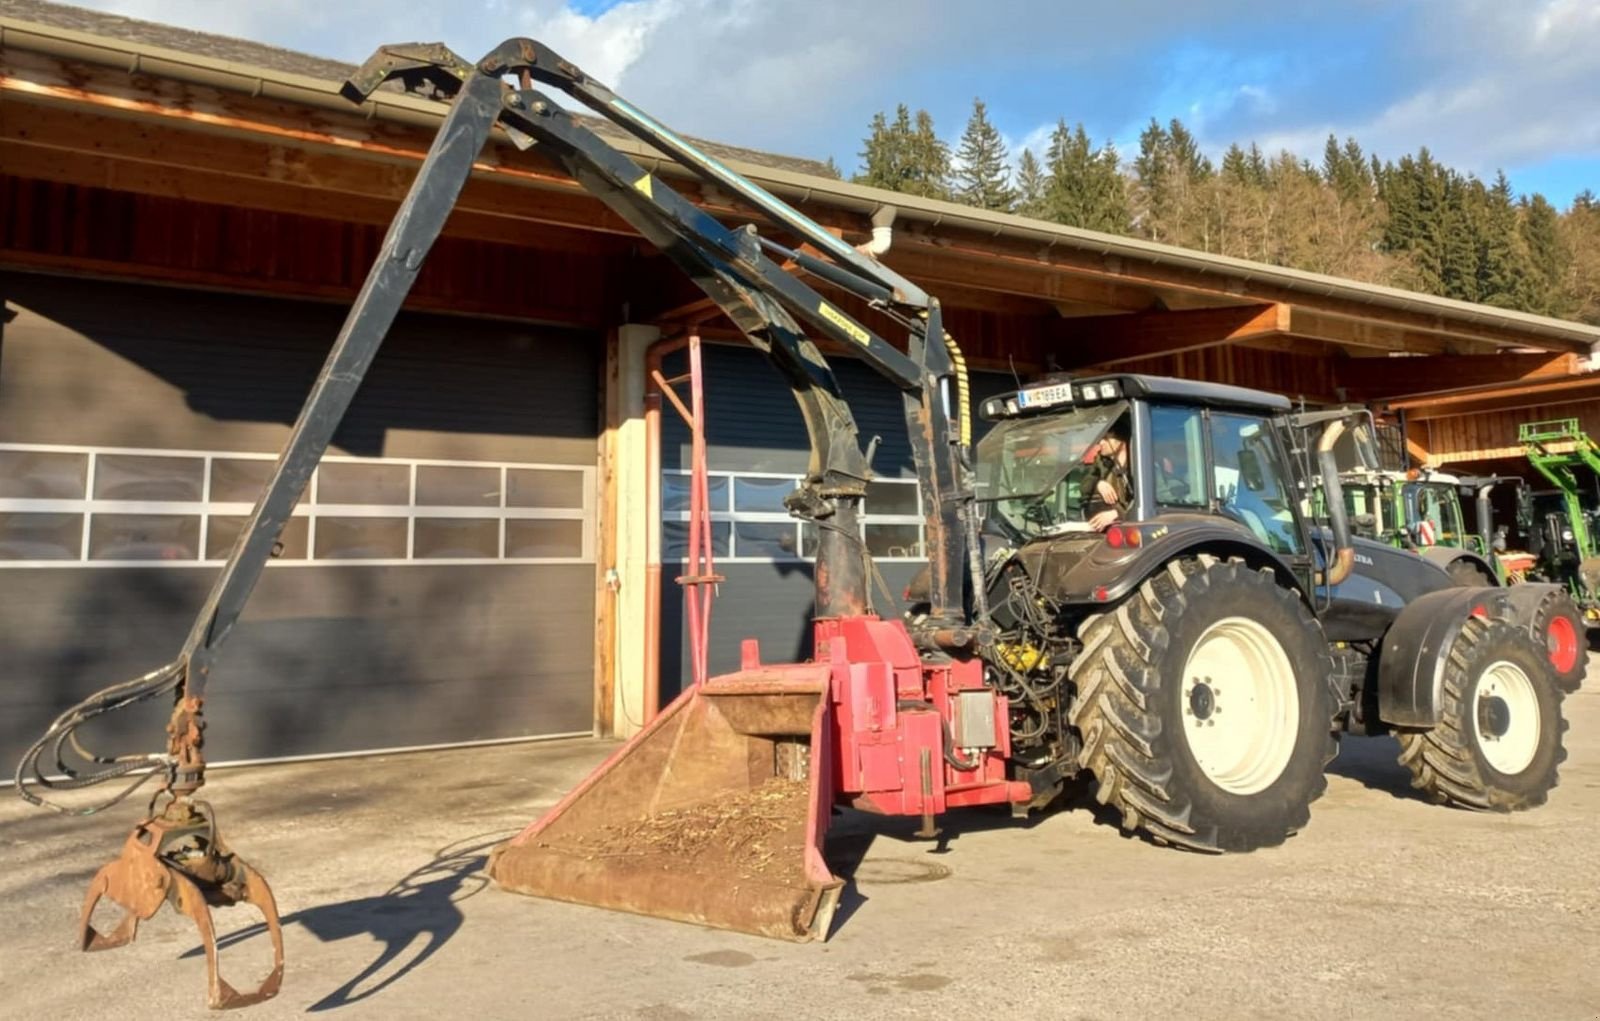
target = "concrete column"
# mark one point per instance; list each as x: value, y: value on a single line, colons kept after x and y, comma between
x: 635, y: 518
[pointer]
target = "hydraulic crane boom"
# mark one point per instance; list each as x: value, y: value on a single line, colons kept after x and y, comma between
x: 737, y: 267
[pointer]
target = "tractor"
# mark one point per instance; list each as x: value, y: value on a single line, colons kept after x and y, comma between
x: 1567, y: 554
x: 1126, y: 588
x: 1420, y: 510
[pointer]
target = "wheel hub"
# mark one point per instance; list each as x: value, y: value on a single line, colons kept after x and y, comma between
x: 1494, y: 717
x: 1506, y: 720
x: 1244, y: 749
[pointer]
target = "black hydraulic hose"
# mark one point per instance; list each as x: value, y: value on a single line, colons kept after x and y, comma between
x: 63, y: 731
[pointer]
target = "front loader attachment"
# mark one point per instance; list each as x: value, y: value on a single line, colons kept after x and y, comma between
x: 713, y: 814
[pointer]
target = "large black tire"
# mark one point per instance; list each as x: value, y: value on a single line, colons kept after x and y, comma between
x: 1132, y: 713
x: 1468, y: 574
x: 1455, y: 762
x: 1557, y: 624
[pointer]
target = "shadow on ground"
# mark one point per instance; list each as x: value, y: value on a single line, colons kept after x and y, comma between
x: 424, y: 903
x: 1374, y: 763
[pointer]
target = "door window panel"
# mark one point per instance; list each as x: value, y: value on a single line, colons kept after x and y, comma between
x: 1247, y: 483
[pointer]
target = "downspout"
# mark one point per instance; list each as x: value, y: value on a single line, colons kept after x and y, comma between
x: 882, y: 232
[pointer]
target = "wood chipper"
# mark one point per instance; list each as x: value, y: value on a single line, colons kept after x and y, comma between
x: 1125, y: 581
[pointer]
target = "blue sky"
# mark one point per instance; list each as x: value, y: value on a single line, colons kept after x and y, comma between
x: 1486, y: 84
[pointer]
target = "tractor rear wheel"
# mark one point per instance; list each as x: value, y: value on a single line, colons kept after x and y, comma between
x: 1499, y: 744
x: 1204, y: 707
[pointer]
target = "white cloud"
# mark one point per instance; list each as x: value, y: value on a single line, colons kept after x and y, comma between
x: 1507, y: 85
x: 1484, y: 83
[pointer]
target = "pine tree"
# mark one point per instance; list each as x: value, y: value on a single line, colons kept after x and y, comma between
x: 883, y: 156
x: 1503, y: 273
x: 906, y: 158
x: 1548, y: 256
x: 1032, y: 184
x: 1185, y: 152
x: 831, y: 169
x: 1086, y: 187
x: 1235, y: 165
x: 981, y: 180
x: 930, y: 161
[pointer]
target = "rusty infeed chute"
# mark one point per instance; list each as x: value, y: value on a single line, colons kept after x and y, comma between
x: 715, y: 812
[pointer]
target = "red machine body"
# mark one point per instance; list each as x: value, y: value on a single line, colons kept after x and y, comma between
x: 910, y: 737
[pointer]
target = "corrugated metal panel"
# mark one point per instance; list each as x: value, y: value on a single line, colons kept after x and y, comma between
x: 753, y: 424
x: 325, y: 658
x: 769, y: 602
x: 133, y: 365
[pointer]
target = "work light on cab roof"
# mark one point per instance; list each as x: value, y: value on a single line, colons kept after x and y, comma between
x: 1051, y: 395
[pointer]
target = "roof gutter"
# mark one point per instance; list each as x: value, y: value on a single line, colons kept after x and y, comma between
x: 400, y: 108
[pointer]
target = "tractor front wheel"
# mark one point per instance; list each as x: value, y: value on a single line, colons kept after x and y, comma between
x: 1499, y: 744
x: 1204, y: 708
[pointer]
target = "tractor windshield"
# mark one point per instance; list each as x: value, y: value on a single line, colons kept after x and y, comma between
x: 1032, y: 471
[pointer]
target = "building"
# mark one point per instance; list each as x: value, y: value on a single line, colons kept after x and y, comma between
x: 183, y: 222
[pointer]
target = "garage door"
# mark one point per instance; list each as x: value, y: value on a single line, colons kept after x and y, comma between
x: 757, y: 451
x: 432, y: 580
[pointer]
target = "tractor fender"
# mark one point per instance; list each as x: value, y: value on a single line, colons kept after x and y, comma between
x: 1416, y: 647
x: 1082, y: 570
x: 1444, y: 556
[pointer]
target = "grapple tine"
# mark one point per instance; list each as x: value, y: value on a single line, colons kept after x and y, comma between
x: 135, y: 880
x: 194, y: 902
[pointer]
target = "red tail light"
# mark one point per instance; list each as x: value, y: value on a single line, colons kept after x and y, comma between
x: 1119, y: 536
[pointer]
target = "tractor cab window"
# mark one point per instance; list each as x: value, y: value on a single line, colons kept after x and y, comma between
x: 1036, y: 475
x: 1178, y: 453
x: 1438, y: 507
x: 1248, y: 484
x: 1361, y: 505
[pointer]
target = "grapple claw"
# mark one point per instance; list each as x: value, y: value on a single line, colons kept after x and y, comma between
x: 178, y: 857
x: 136, y: 881
x: 194, y: 902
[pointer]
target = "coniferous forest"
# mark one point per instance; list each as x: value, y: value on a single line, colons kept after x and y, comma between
x: 1411, y: 222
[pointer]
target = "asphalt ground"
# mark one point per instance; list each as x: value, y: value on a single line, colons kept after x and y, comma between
x: 1384, y: 905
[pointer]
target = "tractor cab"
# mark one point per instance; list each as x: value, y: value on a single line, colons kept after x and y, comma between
x: 1116, y: 463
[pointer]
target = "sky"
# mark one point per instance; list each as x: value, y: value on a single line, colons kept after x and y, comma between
x: 1487, y: 85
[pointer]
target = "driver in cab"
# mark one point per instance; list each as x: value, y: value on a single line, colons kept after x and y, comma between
x: 1109, y: 487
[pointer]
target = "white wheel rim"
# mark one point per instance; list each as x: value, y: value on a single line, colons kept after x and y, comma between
x: 1241, y: 706
x: 1505, y: 717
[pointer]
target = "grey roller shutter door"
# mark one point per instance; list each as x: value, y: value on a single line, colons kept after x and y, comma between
x: 339, y: 655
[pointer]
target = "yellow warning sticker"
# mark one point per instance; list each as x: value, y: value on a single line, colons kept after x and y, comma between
x: 643, y: 185
x: 844, y: 323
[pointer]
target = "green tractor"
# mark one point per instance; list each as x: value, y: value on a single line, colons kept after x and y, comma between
x: 1563, y: 538
x: 1421, y: 510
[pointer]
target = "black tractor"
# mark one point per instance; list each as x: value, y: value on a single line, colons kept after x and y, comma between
x: 1166, y: 614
